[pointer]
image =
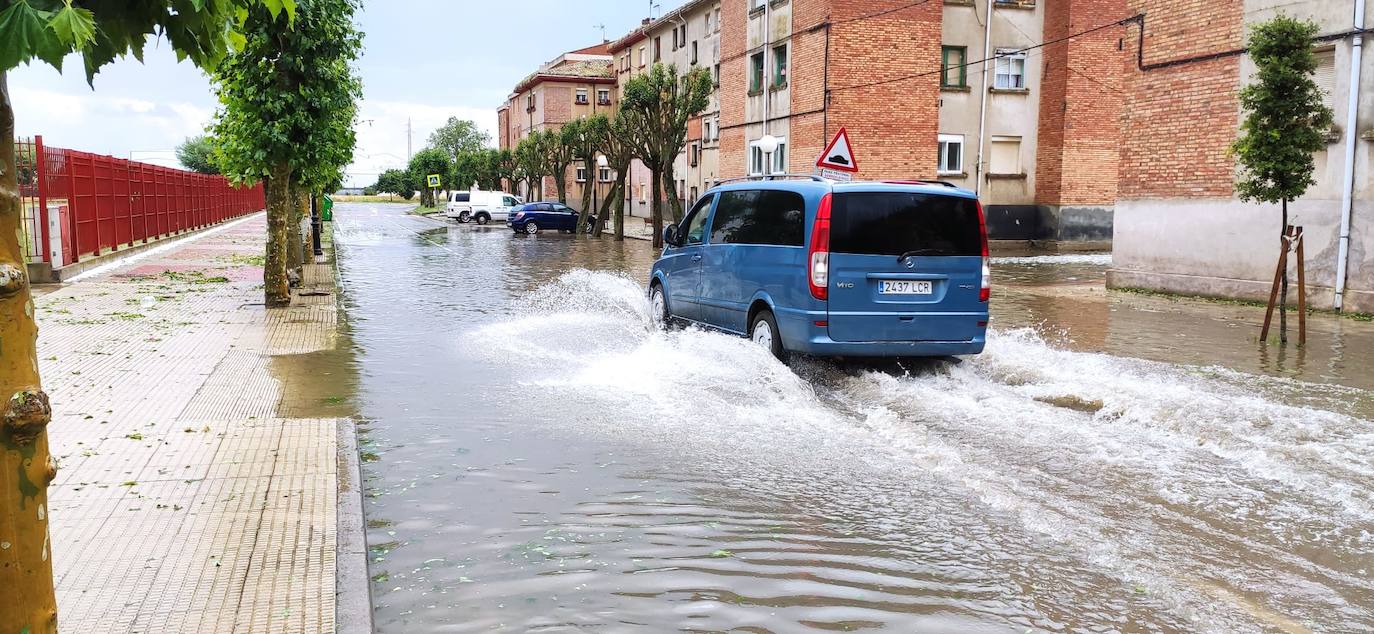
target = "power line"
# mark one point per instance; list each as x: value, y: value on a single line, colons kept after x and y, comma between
x: 984, y: 60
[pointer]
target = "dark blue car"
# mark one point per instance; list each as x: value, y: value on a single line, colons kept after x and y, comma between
x: 860, y: 269
x: 532, y: 218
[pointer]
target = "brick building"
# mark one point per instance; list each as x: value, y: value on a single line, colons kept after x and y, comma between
x: 905, y: 79
x: 687, y: 38
x: 1179, y: 225
x: 906, y: 82
x: 573, y: 85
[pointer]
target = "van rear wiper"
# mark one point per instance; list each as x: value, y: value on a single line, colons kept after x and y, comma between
x: 902, y: 258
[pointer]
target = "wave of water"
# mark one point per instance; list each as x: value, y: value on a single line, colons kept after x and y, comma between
x: 1096, y: 259
x: 1176, y: 496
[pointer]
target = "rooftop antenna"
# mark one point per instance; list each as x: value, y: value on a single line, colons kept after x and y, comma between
x: 652, y: 6
x: 601, y: 26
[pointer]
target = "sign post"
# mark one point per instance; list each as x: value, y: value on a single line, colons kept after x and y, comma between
x: 837, y: 162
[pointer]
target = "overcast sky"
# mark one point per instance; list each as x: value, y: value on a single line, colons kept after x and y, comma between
x: 423, y: 59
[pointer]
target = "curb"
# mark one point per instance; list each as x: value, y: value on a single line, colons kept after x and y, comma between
x: 352, y: 587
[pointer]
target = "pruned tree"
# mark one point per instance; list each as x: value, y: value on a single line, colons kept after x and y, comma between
x: 663, y: 102
x: 556, y: 148
x: 283, y: 98
x: 197, y: 154
x: 529, y: 163
x: 1285, y: 122
x: 619, y: 151
x: 588, y: 138
x: 48, y: 30
x: 503, y: 168
x: 394, y: 181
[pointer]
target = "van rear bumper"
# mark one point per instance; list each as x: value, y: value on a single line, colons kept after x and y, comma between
x: 800, y: 334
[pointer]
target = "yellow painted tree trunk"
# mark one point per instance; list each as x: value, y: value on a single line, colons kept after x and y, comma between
x: 276, y: 290
x: 27, y: 602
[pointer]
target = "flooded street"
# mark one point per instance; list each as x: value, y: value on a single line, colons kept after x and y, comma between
x: 539, y: 459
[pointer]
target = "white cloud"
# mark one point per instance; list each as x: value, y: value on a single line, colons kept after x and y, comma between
x: 382, y: 133
x: 100, y: 123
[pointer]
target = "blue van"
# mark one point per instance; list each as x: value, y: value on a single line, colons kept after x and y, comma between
x: 865, y: 269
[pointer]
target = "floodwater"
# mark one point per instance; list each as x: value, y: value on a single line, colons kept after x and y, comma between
x: 538, y: 459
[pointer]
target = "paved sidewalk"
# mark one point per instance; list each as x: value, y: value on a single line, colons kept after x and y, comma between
x: 195, y: 433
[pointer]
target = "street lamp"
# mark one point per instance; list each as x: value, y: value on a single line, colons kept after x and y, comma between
x: 768, y: 144
x: 601, y: 162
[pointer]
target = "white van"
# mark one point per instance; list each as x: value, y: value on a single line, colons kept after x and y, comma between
x: 480, y: 206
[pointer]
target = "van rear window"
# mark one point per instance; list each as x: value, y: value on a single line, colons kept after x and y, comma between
x: 461, y: 197
x: 897, y: 223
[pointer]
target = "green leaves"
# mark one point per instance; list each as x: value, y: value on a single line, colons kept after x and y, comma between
x: 74, y: 27
x: 1286, y: 119
x: 24, y: 34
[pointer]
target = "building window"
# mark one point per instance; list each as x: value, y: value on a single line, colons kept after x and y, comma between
x: 658, y: 49
x: 1011, y: 69
x: 681, y: 189
x: 693, y: 198
x: 694, y: 155
x: 706, y: 130
x: 529, y: 102
x: 757, y: 160
x: 643, y: 55
x: 951, y: 154
x: 1005, y: 155
x: 582, y: 96
x: 717, y: 29
x: 675, y: 44
x: 756, y: 5
x: 780, y: 66
x: 953, y: 72
x: 694, y: 53
x: 715, y: 75
x: 581, y: 174
x: 604, y: 174
x: 708, y: 22
x: 756, y: 72
x: 1325, y: 76
x: 603, y: 96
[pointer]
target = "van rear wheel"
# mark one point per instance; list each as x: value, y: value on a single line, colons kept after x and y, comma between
x: 765, y: 333
x: 465, y: 217
x: 483, y: 218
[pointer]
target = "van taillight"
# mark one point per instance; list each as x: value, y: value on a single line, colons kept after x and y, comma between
x: 818, y: 254
x: 985, y: 288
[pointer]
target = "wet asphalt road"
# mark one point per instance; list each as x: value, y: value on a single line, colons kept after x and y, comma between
x: 537, y: 459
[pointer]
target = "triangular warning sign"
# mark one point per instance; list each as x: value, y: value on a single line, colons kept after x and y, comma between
x: 839, y: 155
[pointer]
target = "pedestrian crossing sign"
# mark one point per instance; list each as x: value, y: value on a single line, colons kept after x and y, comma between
x: 433, y: 180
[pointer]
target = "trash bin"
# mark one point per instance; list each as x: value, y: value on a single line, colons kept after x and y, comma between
x: 327, y: 209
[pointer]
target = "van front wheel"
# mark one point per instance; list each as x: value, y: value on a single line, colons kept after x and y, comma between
x: 765, y: 333
x: 483, y: 218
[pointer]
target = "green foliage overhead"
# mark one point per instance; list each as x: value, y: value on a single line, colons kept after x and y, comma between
x: 458, y: 136
x: 197, y: 154
x: 1285, y: 119
x: 289, y: 96
x: 203, y: 31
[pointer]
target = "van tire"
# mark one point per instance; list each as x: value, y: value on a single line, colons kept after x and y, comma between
x: 763, y: 330
x: 465, y: 217
x: 659, y: 315
x: 483, y: 217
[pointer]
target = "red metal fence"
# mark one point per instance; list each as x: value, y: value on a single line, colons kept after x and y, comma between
x: 112, y: 203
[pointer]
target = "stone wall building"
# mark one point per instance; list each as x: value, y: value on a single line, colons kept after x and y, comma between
x: 1179, y: 225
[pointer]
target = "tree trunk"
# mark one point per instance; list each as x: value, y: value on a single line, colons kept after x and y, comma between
x: 276, y: 290
x: 560, y: 183
x: 588, y: 187
x: 656, y: 192
x: 670, y: 187
x: 300, y: 205
x: 1283, y: 284
x: 620, y: 211
x: 603, y: 216
x: 26, y: 469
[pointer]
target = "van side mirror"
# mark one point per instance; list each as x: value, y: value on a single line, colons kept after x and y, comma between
x: 670, y: 236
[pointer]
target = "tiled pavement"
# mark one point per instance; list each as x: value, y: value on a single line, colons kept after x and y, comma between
x: 196, y: 489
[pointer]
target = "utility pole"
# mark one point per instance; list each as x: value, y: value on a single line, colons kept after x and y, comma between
x: 408, y: 136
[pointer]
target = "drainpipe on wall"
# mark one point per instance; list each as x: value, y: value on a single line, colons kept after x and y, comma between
x: 1351, y: 134
x: 767, y: 35
x: 983, y: 103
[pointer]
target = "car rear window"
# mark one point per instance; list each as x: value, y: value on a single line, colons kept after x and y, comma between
x: 760, y: 217
x: 897, y: 223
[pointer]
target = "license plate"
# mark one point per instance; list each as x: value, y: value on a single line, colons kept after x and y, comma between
x: 904, y: 287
